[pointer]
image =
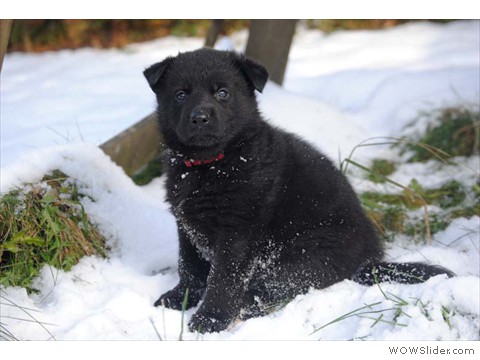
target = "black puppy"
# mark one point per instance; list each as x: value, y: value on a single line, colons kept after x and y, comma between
x: 262, y: 216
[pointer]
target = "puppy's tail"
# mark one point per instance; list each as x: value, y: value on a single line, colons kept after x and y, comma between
x: 401, y: 273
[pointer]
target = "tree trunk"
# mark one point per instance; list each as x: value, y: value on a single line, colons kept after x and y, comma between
x: 269, y: 43
x: 5, y: 26
x: 213, y: 32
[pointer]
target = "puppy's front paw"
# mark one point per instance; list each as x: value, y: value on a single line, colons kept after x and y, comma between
x: 174, y: 298
x: 207, y: 324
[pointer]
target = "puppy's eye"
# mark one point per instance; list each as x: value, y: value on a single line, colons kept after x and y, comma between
x: 181, y: 95
x: 222, y: 94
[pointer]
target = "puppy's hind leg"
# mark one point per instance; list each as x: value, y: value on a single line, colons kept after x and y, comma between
x: 315, y: 260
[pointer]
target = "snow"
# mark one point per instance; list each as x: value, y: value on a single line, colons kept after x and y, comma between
x: 384, y: 78
x: 340, y: 89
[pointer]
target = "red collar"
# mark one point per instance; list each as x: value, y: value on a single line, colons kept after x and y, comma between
x: 191, y: 162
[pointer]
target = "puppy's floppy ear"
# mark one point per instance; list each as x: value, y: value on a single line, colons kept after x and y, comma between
x: 154, y: 73
x: 255, y: 73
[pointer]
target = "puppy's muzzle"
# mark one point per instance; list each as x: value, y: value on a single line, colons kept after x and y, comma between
x: 200, y: 116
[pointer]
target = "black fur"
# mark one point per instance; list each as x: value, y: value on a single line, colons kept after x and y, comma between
x: 402, y: 273
x: 272, y: 219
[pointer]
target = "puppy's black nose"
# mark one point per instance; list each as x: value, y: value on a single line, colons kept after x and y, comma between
x: 200, y: 116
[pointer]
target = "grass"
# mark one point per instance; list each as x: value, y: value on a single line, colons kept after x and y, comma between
x: 376, y: 211
x: 391, y: 310
x: 394, y: 214
x: 452, y: 132
x: 153, y: 170
x: 450, y: 194
x: 28, y: 316
x: 155, y: 329
x: 184, y: 308
x: 44, y: 224
x: 389, y: 314
x: 446, y: 314
x: 455, y: 131
x: 380, y: 169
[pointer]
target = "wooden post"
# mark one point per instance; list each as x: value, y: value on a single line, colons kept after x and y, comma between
x: 213, y: 32
x: 5, y: 27
x: 135, y: 147
x: 269, y: 43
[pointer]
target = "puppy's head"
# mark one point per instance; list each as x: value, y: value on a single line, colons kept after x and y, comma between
x: 205, y: 98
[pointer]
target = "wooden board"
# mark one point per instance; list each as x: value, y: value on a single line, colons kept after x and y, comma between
x: 136, y: 146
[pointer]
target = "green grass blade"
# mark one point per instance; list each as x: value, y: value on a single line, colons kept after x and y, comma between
x: 184, y: 308
x: 346, y: 316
